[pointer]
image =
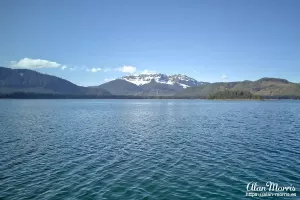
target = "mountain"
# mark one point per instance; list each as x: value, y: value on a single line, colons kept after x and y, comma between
x: 266, y: 87
x: 24, y: 80
x: 33, y: 84
x: 121, y: 87
x: 150, y: 84
x: 182, y: 80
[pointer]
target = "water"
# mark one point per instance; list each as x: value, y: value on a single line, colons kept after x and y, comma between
x: 146, y: 149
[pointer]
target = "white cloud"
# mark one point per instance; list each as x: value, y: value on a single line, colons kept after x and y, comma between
x: 124, y: 69
x: 29, y: 63
x: 63, y: 67
x: 224, y: 77
x: 146, y: 71
x: 127, y: 69
x: 93, y: 70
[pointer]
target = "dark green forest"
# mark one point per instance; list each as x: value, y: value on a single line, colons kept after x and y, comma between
x: 30, y: 95
x: 231, y: 94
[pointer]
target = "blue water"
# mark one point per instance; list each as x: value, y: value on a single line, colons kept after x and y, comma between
x: 146, y: 149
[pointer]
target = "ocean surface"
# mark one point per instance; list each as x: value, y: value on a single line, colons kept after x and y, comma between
x: 146, y: 149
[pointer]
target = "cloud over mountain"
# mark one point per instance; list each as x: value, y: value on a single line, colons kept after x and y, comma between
x: 93, y: 70
x: 28, y: 63
x: 127, y: 69
x: 146, y: 71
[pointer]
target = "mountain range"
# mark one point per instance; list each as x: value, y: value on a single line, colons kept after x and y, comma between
x: 150, y: 84
x: 142, y: 85
x: 264, y: 87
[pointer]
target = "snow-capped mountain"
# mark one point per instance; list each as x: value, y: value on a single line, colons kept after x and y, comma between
x: 179, y: 79
x: 150, y: 84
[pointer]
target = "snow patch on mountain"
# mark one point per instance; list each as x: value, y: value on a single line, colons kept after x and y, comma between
x: 184, y: 85
x: 182, y: 80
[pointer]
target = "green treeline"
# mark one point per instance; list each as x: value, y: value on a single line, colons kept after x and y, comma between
x: 231, y: 94
x: 293, y: 97
x: 30, y: 95
x: 228, y: 94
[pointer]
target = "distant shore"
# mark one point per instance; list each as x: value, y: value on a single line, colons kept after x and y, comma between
x: 22, y: 95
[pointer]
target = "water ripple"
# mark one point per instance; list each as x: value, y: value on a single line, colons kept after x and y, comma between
x: 145, y: 149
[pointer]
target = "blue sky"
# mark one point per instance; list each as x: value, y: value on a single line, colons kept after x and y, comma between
x: 89, y: 42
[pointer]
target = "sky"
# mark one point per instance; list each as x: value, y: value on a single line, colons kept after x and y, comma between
x: 93, y: 41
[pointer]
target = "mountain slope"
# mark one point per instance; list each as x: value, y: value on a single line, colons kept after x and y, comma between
x: 160, y: 89
x: 121, y: 87
x: 24, y: 80
x: 262, y: 87
x: 270, y: 87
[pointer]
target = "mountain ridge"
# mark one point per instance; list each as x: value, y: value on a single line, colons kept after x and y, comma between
x: 142, y: 79
x: 154, y: 84
x: 263, y: 87
x: 30, y: 81
x: 25, y: 80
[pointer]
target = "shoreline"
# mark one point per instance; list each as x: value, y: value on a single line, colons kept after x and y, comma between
x: 11, y: 98
x: 22, y: 95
